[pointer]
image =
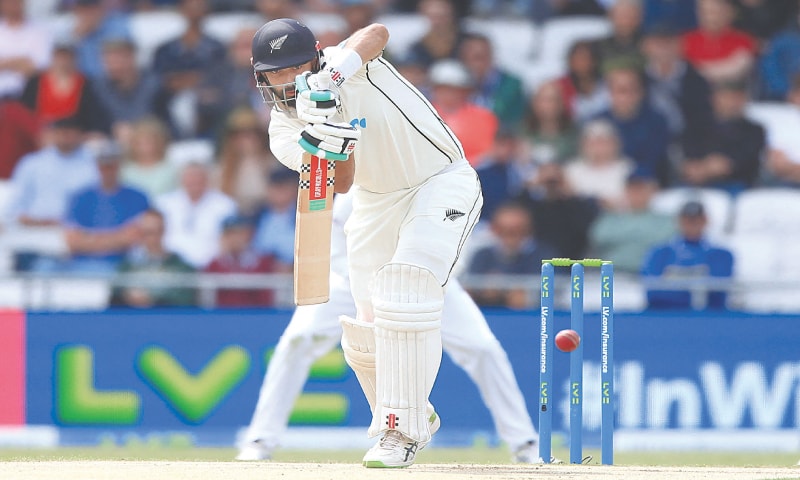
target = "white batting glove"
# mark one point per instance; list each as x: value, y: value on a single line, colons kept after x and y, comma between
x: 334, y: 141
x: 316, y: 101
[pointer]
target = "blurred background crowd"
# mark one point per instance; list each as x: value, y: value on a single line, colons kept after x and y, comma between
x: 663, y: 135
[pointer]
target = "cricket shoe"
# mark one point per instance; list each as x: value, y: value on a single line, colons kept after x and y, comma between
x: 395, y: 450
x: 528, y: 452
x: 254, y: 452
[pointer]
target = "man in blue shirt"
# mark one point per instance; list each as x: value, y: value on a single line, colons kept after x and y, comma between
x: 100, y: 225
x: 688, y: 257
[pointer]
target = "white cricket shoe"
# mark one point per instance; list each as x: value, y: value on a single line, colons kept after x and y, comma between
x: 395, y: 450
x: 528, y: 452
x: 254, y: 452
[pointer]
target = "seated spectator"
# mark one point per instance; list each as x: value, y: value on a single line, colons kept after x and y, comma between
x: 473, y: 125
x: 688, y: 257
x: 560, y: 218
x: 601, y: 170
x: 499, y: 172
x: 153, y: 263
x: 63, y: 91
x: 272, y: 9
x: 147, y: 167
x: 244, y: 160
x: 237, y: 256
x: 275, y: 225
x: 729, y: 155
x: 627, y: 234
x: 184, y: 65
x: 624, y: 42
x: 95, y: 23
x: 100, y: 224
x: 780, y: 61
x: 675, y: 88
x: 495, y: 89
x: 19, y: 134
x: 582, y: 88
x: 25, y: 48
x: 516, y: 251
x: 444, y: 35
x: 783, y: 161
x: 358, y: 14
x: 127, y: 93
x: 45, y: 180
x: 644, y: 131
x: 763, y: 18
x: 193, y: 215
x: 548, y: 129
x: 234, y: 78
x: 715, y: 48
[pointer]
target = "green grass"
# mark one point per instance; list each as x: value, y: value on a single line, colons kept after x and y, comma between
x: 476, y: 455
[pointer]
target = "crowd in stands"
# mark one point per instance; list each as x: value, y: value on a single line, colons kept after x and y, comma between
x: 137, y: 158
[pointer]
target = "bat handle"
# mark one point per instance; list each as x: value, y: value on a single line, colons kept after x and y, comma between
x: 324, y: 80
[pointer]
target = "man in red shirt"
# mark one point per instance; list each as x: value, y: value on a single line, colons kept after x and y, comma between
x: 473, y: 125
x: 716, y: 49
x: 19, y: 134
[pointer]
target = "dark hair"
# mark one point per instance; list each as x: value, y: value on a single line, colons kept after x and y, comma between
x: 580, y: 45
x: 532, y: 122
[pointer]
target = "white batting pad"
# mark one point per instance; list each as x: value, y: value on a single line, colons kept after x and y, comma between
x: 407, y: 301
x: 358, y: 345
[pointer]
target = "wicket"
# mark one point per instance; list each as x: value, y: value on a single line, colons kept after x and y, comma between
x: 576, y: 358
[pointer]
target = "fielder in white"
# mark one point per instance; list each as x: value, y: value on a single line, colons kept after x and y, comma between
x: 415, y: 202
x: 314, y: 330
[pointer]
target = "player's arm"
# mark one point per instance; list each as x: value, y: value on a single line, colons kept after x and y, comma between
x: 368, y: 42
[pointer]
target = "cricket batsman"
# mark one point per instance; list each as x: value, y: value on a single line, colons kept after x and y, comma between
x: 415, y: 202
x: 314, y: 330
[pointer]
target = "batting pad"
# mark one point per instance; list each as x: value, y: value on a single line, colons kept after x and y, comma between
x: 358, y: 345
x: 407, y: 301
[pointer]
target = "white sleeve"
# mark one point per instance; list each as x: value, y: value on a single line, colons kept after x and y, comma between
x: 41, y: 49
x: 283, y: 137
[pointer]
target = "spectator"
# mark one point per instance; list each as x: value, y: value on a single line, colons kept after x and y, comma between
x: 19, y: 134
x: 63, y: 91
x: 516, y: 251
x: 499, y: 172
x: 560, y: 218
x: 357, y: 14
x: 548, y: 129
x: 716, y: 49
x: 188, y: 93
x: 600, y: 170
x: 473, y: 125
x: 627, y: 234
x: 783, y: 161
x: 730, y: 155
x: 444, y: 35
x: 244, y: 160
x: 24, y: 48
x: 624, y: 42
x: 235, y: 79
x: 100, y: 223
x: 680, y: 15
x: 193, y: 216
x: 781, y: 61
x: 688, y: 257
x: 676, y: 89
x: 495, y: 89
x: 272, y: 9
x: 237, y: 256
x: 152, y: 262
x: 45, y: 180
x: 95, y: 24
x: 763, y: 18
x: 147, y: 167
x: 275, y: 225
x: 127, y: 93
x: 582, y: 88
x: 417, y: 73
x: 644, y: 132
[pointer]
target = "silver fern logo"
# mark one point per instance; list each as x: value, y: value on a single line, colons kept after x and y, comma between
x: 452, y: 214
x: 277, y: 43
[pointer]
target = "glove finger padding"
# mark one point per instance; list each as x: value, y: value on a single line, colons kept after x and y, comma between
x: 314, y: 104
x: 339, y: 139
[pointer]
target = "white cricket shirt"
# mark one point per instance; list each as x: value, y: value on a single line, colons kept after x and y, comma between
x: 403, y: 140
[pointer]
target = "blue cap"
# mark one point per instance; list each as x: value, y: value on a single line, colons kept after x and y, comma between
x: 283, y: 43
x: 693, y: 208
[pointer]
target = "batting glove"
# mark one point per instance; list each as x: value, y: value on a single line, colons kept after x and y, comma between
x: 332, y: 141
x: 314, y: 103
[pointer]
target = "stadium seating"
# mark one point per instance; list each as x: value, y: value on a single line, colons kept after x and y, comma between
x: 151, y: 29
x: 768, y: 210
x: 225, y: 26
x: 514, y: 41
x: 718, y: 206
x: 404, y: 30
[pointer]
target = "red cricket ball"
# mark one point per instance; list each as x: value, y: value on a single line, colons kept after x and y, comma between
x: 567, y: 340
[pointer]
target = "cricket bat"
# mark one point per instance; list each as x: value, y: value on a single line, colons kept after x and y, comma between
x: 312, y: 236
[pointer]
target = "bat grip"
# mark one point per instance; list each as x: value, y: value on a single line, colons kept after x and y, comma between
x: 324, y: 80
